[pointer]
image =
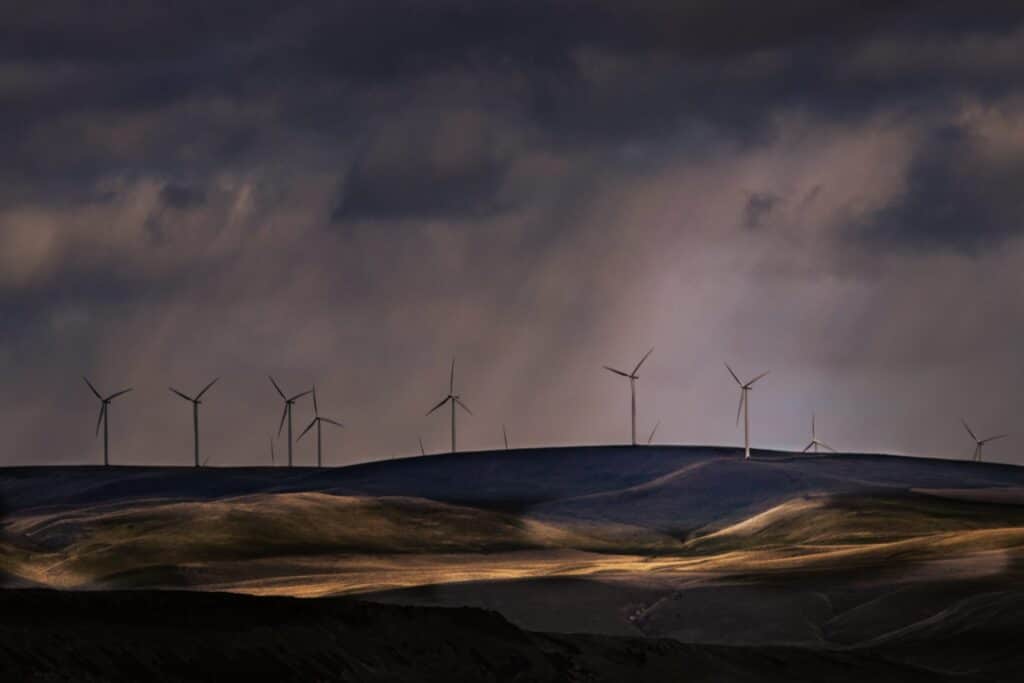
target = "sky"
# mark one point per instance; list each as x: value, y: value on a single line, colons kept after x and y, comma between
x: 352, y: 194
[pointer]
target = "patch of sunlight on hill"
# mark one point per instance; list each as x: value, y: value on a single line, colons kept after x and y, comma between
x: 90, y: 544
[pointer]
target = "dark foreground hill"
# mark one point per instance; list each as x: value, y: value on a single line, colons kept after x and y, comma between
x: 170, y: 636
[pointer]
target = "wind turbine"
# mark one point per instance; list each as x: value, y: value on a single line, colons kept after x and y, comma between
x: 288, y: 402
x: 633, y: 377
x: 103, y: 417
x: 979, y: 443
x: 814, y: 440
x: 273, y: 455
x: 422, y: 452
x: 453, y: 398
x: 744, y: 407
x: 651, y: 436
x: 195, y: 414
x: 317, y: 420
x: 504, y: 435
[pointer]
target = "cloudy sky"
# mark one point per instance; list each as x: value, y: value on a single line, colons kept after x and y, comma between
x: 352, y: 193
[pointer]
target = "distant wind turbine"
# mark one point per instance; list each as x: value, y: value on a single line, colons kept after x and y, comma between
x: 651, y: 437
x: 288, y: 403
x: 195, y: 414
x: 422, y: 452
x: 504, y: 435
x: 317, y: 420
x: 273, y: 456
x: 744, y: 407
x: 633, y: 377
x: 453, y: 398
x: 814, y: 440
x: 103, y: 417
x: 979, y: 443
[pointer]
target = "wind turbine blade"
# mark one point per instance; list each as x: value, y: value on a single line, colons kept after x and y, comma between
x: 316, y: 408
x: 92, y: 387
x: 637, y: 368
x: 119, y: 393
x: 99, y: 420
x: 180, y: 394
x: 993, y: 438
x: 307, y: 429
x: 451, y: 378
x: 733, y: 375
x: 206, y: 388
x: 739, y: 408
x: 969, y: 430
x: 422, y: 452
x: 651, y: 437
x: 284, y: 414
x: 277, y: 387
x: 333, y: 422
x: 296, y: 397
x: 807, y: 447
x: 463, y: 406
x: 617, y: 372
x: 751, y: 382
x: 826, y: 446
x: 443, y: 401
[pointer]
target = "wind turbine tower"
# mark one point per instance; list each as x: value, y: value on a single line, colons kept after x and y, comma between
x: 744, y: 407
x: 103, y: 417
x: 452, y: 398
x: 195, y: 414
x: 632, y: 377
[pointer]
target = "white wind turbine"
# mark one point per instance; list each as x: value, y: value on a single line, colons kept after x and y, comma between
x: 103, y: 417
x: 814, y: 440
x: 744, y: 407
x: 632, y: 377
x: 287, y: 414
x: 318, y: 420
x: 453, y: 398
x: 979, y: 443
x: 195, y: 415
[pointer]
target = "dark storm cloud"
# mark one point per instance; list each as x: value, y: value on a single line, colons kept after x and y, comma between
x: 180, y: 196
x: 759, y: 205
x: 420, y: 193
x: 958, y: 195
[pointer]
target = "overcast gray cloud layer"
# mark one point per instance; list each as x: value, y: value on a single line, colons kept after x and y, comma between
x: 352, y: 194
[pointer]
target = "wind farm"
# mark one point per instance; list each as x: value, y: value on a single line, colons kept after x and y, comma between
x: 585, y: 211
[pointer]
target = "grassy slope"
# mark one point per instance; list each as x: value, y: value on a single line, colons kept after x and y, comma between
x: 80, y: 546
